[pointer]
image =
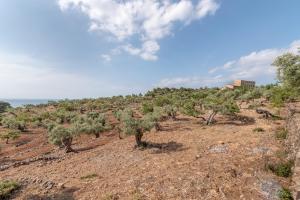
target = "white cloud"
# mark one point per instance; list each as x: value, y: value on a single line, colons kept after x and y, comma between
x: 254, y: 66
x: 189, y: 81
x: 26, y: 77
x: 106, y: 57
x: 150, y: 20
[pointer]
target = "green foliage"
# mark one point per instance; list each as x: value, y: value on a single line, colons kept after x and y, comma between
x: 171, y: 111
x: 288, y: 70
x: 12, y: 123
x: 94, y: 126
x: 283, y: 169
x: 136, y: 126
x: 59, y: 133
x: 93, y: 115
x: 280, y: 95
x: 285, y: 194
x: 7, y: 188
x: 281, y: 134
x: 162, y: 101
x: 4, y: 106
x: 147, y: 108
x: 189, y: 108
x: 10, y: 135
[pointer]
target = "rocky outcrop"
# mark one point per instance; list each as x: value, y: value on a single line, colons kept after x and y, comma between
x: 293, y: 145
x: 27, y: 162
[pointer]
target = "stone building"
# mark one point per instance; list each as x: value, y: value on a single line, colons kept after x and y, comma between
x: 240, y: 83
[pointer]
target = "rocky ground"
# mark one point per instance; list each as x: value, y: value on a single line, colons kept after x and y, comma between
x: 223, y: 161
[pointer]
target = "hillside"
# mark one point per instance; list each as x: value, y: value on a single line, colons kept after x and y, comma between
x: 187, y: 160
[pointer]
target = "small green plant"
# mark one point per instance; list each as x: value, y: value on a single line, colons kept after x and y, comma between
x: 7, y: 188
x: 281, y: 134
x: 285, y: 194
x: 89, y: 176
x: 283, y: 169
x: 147, y: 108
x: 258, y: 129
x: 10, y: 135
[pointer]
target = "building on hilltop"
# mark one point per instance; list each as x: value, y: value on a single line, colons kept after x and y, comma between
x: 240, y: 83
x: 243, y: 83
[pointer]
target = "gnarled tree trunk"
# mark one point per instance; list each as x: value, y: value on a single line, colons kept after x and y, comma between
x: 138, y: 137
x: 211, y: 117
x: 67, y: 142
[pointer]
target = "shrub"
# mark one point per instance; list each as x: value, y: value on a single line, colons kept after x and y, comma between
x: 63, y: 137
x: 135, y: 126
x: 285, y: 194
x: 7, y: 188
x: 147, y: 108
x: 94, y: 127
x: 258, y: 129
x: 171, y: 111
x: 4, y: 106
x: 283, y: 169
x: 10, y: 135
x: 93, y: 115
x: 13, y: 123
x: 281, y: 134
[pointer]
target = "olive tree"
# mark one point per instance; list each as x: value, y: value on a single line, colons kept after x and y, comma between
x: 4, y: 106
x: 63, y: 136
x: 220, y: 103
x: 10, y: 135
x: 288, y: 70
x: 136, y: 126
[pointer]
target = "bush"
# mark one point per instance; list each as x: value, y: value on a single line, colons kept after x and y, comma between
x: 171, y: 111
x: 283, y: 169
x: 63, y: 137
x: 4, y: 106
x: 10, y: 135
x: 7, y: 188
x: 285, y: 194
x: 135, y: 126
x: 281, y: 134
x: 147, y: 108
x: 13, y: 123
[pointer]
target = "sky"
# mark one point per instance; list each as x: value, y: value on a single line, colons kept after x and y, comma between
x: 53, y: 49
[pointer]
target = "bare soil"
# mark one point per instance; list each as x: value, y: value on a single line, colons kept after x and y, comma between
x: 223, y: 161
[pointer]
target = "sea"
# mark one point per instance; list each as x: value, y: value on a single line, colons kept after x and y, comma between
x: 21, y: 102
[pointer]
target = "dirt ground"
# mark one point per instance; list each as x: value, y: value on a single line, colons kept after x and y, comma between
x: 223, y: 161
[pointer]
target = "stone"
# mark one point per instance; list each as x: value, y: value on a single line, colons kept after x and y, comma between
x: 270, y: 189
x: 220, y: 148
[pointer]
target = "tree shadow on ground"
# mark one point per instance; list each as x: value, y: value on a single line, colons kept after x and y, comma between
x: 163, y: 147
x: 174, y: 127
x: 239, y: 120
x: 88, y: 147
x: 65, y: 194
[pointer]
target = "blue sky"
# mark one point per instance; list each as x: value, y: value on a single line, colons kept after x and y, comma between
x: 93, y: 48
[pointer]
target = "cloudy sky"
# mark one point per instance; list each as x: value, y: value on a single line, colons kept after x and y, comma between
x: 94, y: 48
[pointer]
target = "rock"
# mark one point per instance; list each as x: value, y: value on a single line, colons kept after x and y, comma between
x: 261, y: 150
x: 61, y: 185
x: 220, y: 148
x: 270, y: 189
